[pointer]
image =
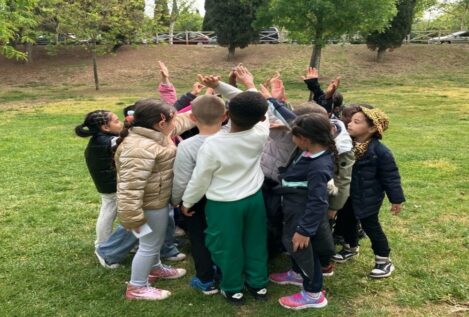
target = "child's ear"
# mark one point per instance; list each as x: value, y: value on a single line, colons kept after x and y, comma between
x: 105, y: 128
x: 192, y: 117
x: 372, y: 130
x: 224, y: 117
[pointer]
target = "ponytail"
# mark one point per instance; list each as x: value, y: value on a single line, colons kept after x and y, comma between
x: 333, y: 149
x: 92, y: 124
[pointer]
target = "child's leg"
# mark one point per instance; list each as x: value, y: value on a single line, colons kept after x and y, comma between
x: 196, y: 225
x: 349, y: 225
x: 117, y: 247
x: 255, y: 242
x: 373, y: 229
x: 323, y: 243
x: 169, y: 248
x: 106, y: 217
x: 224, y: 240
x: 148, y: 254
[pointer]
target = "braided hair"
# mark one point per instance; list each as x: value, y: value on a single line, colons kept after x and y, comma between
x: 93, y: 122
x: 317, y: 128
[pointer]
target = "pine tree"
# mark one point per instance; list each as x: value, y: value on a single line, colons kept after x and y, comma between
x: 393, y: 36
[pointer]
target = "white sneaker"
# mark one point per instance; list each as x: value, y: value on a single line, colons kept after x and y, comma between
x: 178, y: 257
x: 178, y: 232
x: 103, y: 263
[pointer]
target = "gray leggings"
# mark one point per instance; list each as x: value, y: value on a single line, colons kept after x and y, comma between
x: 148, y: 254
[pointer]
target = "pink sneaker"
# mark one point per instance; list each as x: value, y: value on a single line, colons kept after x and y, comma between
x: 289, y: 277
x: 165, y: 272
x: 145, y: 293
x: 303, y: 300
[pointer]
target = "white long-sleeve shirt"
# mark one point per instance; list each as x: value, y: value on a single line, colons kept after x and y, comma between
x: 228, y: 166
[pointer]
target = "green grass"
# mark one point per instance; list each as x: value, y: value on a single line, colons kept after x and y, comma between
x: 49, y: 208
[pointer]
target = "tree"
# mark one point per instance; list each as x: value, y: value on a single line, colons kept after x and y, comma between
x: 16, y: 15
x: 321, y: 20
x: 189, y: 20
x: 109, y: 23
x: 393, y: 35
x: 232, y: 21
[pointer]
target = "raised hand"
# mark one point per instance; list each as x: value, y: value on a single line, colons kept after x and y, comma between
x: 197, y: 88
x: 232, y: 77
x: 209, y: 81
x: 264, y: 91
x: 311, y: 73
x: 333, y: 86
x: 245, y: 76
x: 278, y: 90
x: 164, y: 73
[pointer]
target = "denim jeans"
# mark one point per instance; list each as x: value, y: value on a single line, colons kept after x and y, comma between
x: 117, y: 247
x: 169, y: 248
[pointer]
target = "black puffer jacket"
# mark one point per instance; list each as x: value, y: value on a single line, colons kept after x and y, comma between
x: 99, y: 159
x: 373, y: 175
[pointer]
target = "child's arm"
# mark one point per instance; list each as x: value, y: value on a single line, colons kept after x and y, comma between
x: 317, y: 204
x: 342, y: 181
x: 166, y: 89
x: 185, y: 101
x: 201, y: 176
x: 312, y: 82
x: 183, y: 168
x: 182, y: 123
x: 277, y: 108
x: 388, y: 174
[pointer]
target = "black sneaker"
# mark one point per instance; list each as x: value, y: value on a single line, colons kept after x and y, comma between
x: 345, y: 254
x: 257, y: 293
x: 383, y: 267
x: 233, y: 298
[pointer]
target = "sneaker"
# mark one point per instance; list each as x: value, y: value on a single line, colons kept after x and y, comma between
x: 208, y: 288
x: 103, y: 262
x: 303, y: 300
x: 178, y: 257
x: 287, y: 278
x: 165, y: 272
x: 328, y: 270
x: 346, y: 254
x: 383, y: 267
x: 145, y: 293
x: 257, y: 293
x: 236, y: 298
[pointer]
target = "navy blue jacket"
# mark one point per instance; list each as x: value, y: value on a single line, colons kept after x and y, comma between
x: 100, y: 162
x: 316, y: 172
x: 373, y: 175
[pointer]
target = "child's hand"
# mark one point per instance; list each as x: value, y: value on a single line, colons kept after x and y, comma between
x: 278, y: 90
x: 197, y: 88
x: 164, y: 73
x: 264, y: 92
x: 299, y: 241
x: 209, y: 81
x: 333, y: 86
x: 245, y: 76
x: 396, y: 209
x: 232, y: 77
x: 186, y: 211
x: 311, y: 73
x: 210, y: 91
x: 331, y: 214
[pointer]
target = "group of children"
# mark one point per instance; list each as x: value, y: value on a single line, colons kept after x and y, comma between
x: 253, y: 176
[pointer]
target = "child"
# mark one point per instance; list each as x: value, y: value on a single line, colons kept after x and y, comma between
x: 305, y: 203
x: 331, y: 100
x: 103, y: 127
x: 208, y: 112
x: 374, y: 173
x: 228, y: 172
x: 144, y: 161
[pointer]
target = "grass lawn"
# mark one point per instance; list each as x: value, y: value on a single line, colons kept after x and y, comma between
x: 49, y: 204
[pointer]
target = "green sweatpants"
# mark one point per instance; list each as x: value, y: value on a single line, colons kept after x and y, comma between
x: 236, y: 236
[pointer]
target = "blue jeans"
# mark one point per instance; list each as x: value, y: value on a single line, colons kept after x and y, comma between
x: 117, y: 247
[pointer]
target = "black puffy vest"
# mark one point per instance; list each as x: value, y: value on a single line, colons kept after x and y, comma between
x: 99, y: 159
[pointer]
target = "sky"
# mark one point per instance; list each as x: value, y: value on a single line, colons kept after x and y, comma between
x: 149, y: 5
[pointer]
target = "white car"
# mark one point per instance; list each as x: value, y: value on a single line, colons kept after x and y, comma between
x: 457, y: 37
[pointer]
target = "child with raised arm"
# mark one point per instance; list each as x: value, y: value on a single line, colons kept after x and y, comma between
x: 208, y: 113
x: 374, y: 174
x: 331, y: 100
x: 228, y: 172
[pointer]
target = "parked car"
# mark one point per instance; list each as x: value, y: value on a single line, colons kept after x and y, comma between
x: 457, y: 37
x: 269, y: 36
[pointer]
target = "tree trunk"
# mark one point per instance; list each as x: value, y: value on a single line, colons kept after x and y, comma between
x: 381, y: 53
x: 315, y: 60
x: 95, y: 66
x: 231, y: 52
x: 172, y: 20
x: 29, y: 51
x: 171, y: 32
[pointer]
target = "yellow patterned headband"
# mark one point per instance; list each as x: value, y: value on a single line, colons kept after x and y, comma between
x: 379, y: 118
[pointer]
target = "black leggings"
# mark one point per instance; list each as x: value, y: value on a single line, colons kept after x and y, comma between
x: 371, y: 226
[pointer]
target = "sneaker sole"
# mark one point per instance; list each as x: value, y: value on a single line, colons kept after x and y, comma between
x: 286, y: 283
x: 145, y: 298
x: 321, y: 305
x: 215, y: 291
x: 328, y: 274
x: 103, y: 262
